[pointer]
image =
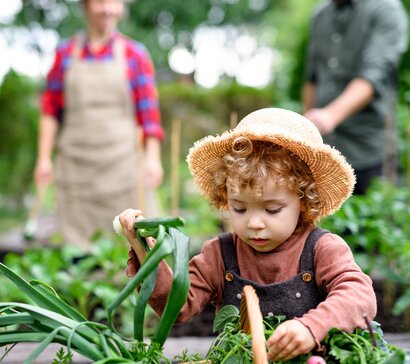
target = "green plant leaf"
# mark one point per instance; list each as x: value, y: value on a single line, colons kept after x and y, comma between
x: 16, y: 319
x: 160, y: 250
x: 52, y: 319
x: 52, y: 295
x: 143, y: 296
x: 40, y: 298
x: 228, y: 313
x: 82, y: 346
x: 180, y: 285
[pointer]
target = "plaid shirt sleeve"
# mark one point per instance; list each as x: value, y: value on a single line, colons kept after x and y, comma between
x: 141, y: 74
x: 52, y: 100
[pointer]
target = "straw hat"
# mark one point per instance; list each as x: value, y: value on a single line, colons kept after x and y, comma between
x: 334, y: 177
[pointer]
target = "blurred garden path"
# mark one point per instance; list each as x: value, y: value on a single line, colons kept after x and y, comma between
x: 13, y: 240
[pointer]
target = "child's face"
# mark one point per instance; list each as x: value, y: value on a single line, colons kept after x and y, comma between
x: 266, y: 221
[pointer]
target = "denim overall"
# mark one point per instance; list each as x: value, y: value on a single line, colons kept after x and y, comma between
x: 291, y: 298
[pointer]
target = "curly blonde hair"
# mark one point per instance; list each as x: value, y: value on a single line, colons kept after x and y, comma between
x: 250, y: 162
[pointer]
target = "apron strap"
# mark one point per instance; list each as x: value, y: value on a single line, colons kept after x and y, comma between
x: 118, y: 50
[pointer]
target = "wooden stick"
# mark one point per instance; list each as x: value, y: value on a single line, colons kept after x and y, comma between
x: 233, y: 120
x: 140, y: 165
x: 38, y: 203
x: 407, y: 167
x: 175, y: 151
x: 389, y: 170
x: 408, y: 153
x: 31, y: 225
x: 253, y: 323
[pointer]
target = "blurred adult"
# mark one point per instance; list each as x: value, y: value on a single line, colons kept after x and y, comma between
x: 100, y: 96
x: 354, y: 52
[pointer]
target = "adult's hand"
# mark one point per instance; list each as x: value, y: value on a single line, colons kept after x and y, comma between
x: 323, y: 120
x: 43, y: 172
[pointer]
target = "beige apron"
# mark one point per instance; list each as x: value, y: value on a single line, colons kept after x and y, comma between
x: 96, y: 168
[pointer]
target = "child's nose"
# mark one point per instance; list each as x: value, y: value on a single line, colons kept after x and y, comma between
x: 255, y: 222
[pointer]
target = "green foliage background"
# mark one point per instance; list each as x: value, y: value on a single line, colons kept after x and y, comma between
x: 282, y: 24
x: 18, y: 128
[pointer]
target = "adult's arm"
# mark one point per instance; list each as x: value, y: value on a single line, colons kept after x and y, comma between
x: 374, y: 68
x: 43, y: 173
x: 147, y: 112
x: 357, y: 95
x: 153, y: 164
x: 52, y: 101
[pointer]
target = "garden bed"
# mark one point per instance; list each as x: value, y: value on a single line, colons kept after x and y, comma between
x: 201, y: 325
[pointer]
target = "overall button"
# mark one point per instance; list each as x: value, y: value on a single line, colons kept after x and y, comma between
x: 229, y: 277
x: 239, y: 296
x: 306, y: 277
x: 298, y: 295
x: 333, y: 62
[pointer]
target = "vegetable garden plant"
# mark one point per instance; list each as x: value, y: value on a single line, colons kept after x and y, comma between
x: 50, y: 319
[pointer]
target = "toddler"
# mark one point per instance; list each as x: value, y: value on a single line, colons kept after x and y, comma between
x: 274, y: 178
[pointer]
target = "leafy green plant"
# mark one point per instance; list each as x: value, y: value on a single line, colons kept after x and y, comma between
x: 51, y: 319
x: 18, y: 130
x: 376, y: 227
x: 62, y: 357
x: 234, y: 346
x: 88, y: 282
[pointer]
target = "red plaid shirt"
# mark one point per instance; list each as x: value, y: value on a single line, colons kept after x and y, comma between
x: 141, y: 75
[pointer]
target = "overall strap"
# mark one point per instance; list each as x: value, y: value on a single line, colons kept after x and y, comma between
x: 307, y: 257
x: 118, y: 50
x: 228, y: 251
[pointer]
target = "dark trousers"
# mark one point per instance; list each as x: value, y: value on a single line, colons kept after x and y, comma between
x: 364, y: 177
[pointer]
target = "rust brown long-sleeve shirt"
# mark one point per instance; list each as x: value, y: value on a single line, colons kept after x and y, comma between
x: 350, y: 294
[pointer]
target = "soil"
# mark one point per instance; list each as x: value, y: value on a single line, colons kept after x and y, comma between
x: 200, y: 325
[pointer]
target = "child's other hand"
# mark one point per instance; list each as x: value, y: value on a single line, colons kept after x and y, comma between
x: 289, y: 340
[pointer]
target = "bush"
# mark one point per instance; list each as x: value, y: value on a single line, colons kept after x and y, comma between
x: 18, y: 130
x: 376, y: 227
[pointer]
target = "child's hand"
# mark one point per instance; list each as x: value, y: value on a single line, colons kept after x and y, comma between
x: 289, y: 340
x: 127, y: 219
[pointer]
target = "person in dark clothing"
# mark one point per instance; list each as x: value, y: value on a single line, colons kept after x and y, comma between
x: 353, y: 56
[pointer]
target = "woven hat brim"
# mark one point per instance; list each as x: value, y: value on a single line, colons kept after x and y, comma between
x: 333, y: 176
